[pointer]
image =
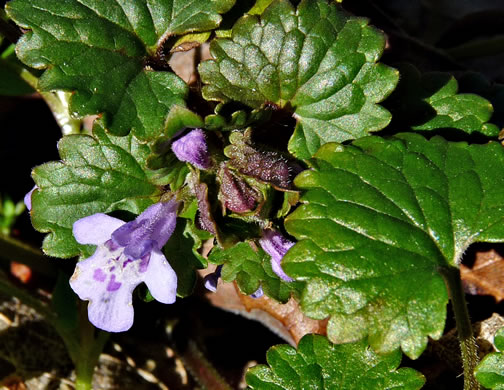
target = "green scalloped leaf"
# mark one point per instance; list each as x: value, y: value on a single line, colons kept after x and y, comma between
x: 378, y: 222
x: 490, y: 371
x: 103, y: 50
x: 431, y: 101
x: 251, y: 268
x: 315, y: 61
x: 97, y: 174
x: 181, y: 252
x: 318, y: 364
x: 227, y: 119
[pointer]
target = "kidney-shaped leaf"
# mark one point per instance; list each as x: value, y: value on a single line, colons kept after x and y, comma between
x: 315, y: 60
x: 97, y: 174
x: 318, y: 364
x: 101, y: 49
x: 380, y: 219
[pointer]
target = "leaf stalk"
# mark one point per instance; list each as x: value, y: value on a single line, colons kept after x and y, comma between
x: 468, y: 347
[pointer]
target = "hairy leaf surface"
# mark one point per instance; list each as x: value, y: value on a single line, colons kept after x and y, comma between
x: 106, y: 51
x: 318, y: 364
x: 379, y: 219
x: 315, y: 61
x: 97, y: 174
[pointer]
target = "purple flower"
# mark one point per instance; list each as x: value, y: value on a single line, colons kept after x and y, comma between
x: 276, y: 245
x: 27, y: 198
x: 258, y: 293
x: 127, y: 255
x: 211, y: 280
x: 192, y: 148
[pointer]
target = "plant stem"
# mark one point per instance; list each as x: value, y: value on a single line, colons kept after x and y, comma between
x: 57, y: 102
x: 91, y: 346
x: 466, y: 338
x: 201, y: 369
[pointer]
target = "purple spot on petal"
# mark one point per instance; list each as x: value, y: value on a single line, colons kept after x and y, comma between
x: 112, y: 269
x: 126, y: 262
x: 111, y: 245
x: 144, y: 263
x: 99, y: 275
x: 113, y: 285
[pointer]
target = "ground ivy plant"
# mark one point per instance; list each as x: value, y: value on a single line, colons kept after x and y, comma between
x: 314, y: 172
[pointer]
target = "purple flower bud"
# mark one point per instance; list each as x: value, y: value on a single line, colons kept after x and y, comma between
x: 235, y: 193
x: 127, y: 255
x: 193, y: 149
x: 27, y: 198
x: 276, y: 245
x: 212, y: 279
x: 258, y: 293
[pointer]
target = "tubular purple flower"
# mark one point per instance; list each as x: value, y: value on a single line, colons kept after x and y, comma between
x: 192, y: 148
x: 258, y: 293
x: 27, y: 198
x: 276, y: 245
x: 127, y: 255
x: 211, y: 280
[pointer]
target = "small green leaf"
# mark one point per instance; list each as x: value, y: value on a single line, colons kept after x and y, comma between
x: 315, y: 60
x: 259, y: 7
x: 104, y: 51
x: 250, y: 266
x: 227, y: 119
x: 379, y: 219
x: 490, y: 372
x: 431, y: 101
x: 181, y: 252
x: 318, y: 364
x: 97, y: 174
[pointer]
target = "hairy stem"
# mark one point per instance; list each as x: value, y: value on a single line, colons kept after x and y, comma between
x: 468, y: 347
x: 201, y: 369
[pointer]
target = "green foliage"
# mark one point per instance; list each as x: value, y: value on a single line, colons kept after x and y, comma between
x: 490, y: 372
x: 97, y: 174
x: 11, y: 84
x: 431, y: 102
x: 315, y: 60
x: 239, y: 119
x: 250, y: 266
x: 318, y: 364
x: 109, y: 54
x: 164, y: 166
x: 379, y: 219
x: 181, y: 252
